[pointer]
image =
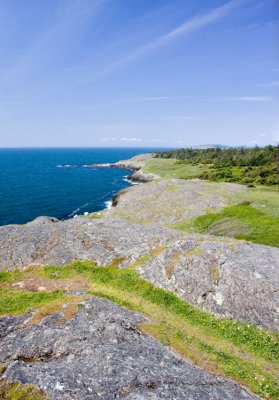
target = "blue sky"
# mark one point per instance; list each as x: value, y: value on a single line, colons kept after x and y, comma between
x: 154, y: 73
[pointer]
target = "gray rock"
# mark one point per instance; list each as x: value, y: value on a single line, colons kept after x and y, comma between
x: 100, y: 353
x: 43, y: 241
x: 135, y: 164
x: 230, y: 278
x: 141, y: 176
x: 225, y: 276
x: 171, y: 201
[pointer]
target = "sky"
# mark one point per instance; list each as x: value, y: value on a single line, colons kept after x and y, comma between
x: 138, y: 73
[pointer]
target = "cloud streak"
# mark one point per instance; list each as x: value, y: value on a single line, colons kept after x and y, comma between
x: 270, y: 84
x: 67, y: 20
x: 249, y: 98
x: 193, y: 24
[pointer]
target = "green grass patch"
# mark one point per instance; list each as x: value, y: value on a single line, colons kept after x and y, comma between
x: 168, y: 168
x: 67, y: 271
x: 97, y: 215
x: 263, y: 198
x: 18, y: 302
x: 241, y: 221
x: 9, y: 276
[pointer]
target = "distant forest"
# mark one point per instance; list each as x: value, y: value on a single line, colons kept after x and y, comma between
x: 250, y: 166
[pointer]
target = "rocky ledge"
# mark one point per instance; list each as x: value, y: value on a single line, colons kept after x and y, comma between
x: 135, y: 164
x: 101, y: 353
x: 225, y: 276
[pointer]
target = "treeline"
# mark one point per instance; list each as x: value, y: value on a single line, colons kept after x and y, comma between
x: 256, y: 165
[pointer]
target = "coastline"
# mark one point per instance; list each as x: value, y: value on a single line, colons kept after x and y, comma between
x: 135, y: 164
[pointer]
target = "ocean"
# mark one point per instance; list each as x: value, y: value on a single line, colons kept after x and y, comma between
x: 33, y: 183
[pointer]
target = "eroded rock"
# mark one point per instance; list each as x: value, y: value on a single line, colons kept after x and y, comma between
x: 101, y: 353
x: 228, y: 277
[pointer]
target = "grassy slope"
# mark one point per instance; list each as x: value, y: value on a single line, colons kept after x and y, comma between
x: 168, y: 168
x: 240, y: 221
x: 258, y: 223
x: 239, y: 351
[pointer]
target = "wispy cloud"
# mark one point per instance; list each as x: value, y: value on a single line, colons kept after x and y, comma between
x: 270, y: 84
x: 249, y: 98
x: 198, y: 98
x: 132, y: 140
x: 67, y: 19
x: 122, y: 139
x: 189, y: 26
x: 154, y: 98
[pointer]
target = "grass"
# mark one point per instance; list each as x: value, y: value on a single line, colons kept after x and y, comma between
x: 236, y: 350
x: 169, y: 168
x: 241, y: 221
x: 263, y: 198
x: 18, y: 302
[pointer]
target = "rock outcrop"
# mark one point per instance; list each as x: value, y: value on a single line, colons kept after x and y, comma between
x: 135, y: 164
x: 225, y: 276
x: 167, y: 202
x: 100, y: 353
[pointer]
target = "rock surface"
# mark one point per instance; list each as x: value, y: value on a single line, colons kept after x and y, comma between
x: 100, y: 353
x: 135, y: 164
x: 45, y: 241
x: 231, y: 279
x: 225, y: 276
x: 168, y: 202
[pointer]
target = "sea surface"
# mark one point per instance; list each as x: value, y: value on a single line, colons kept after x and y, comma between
x: 34, y: 183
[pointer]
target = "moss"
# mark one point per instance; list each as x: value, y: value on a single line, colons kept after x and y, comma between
x: 2, y: 369
x: 95, y: 216
x: 117, y: 261
x: 197, y: 251
x: 18, y: 391
x: 214, y: 273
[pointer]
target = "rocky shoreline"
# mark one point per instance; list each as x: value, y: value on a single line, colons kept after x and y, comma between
x: 135, y: 164
x: 226, y: 277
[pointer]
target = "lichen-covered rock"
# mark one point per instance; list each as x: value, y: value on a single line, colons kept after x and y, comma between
x: 225, y: 276
x: 230, y: 278
x: 100, y: 353
x: 171, y: 201
x: 44, y: 241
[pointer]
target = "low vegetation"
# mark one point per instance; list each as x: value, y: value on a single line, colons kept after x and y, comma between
x: 170, y: 168
x: 240, y: 221
x: 18, y: 302
x: 252, y: 166
x: 237, y: 350
x: 18, y: 391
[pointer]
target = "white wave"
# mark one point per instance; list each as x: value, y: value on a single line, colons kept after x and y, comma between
x: 131, y: 183
x: 108, y: 204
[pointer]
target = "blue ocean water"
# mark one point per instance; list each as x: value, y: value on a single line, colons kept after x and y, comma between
x: 32, y: 184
